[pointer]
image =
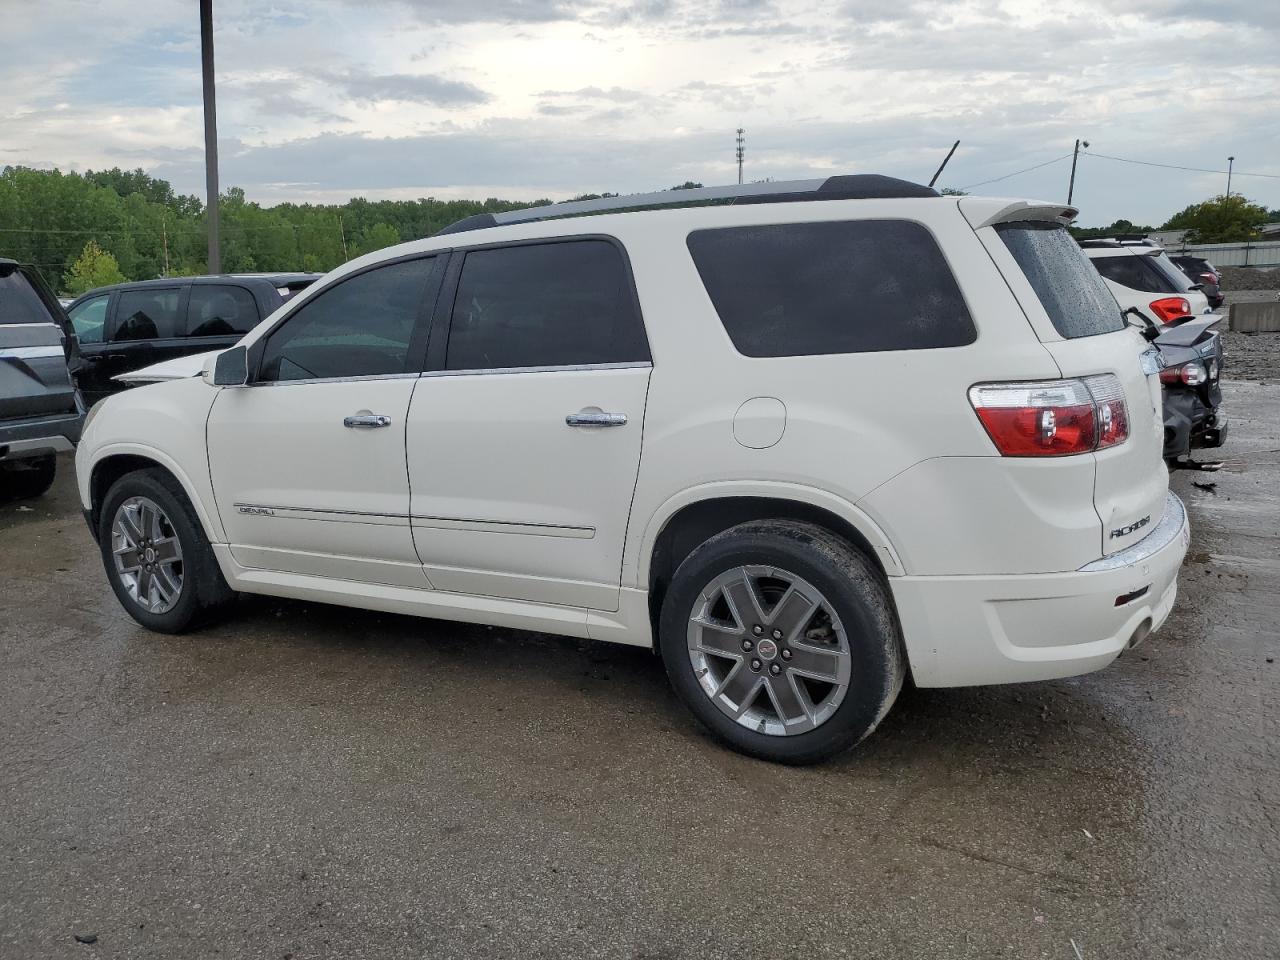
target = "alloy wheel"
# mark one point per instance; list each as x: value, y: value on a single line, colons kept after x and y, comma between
x: 769, y: 650
x: 148, y: 555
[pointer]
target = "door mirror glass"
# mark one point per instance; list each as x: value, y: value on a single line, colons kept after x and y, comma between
x: 231, y: 368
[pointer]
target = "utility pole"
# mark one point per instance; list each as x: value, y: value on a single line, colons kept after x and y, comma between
x: 1230, y: 163
x: 1075, y: 155
x: 164, y: 236
x: 742, y: 150
x: 210, y: 134
x: 343, y: 235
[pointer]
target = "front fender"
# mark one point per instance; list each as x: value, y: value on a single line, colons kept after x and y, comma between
x: 164, y: 423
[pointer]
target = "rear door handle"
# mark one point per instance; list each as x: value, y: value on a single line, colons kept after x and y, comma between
x: 367, y: 420
x: 585, y: 419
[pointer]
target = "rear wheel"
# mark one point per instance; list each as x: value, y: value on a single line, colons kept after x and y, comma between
x: 24, y: 479
x: 157, y: 557
x: 781, y: 638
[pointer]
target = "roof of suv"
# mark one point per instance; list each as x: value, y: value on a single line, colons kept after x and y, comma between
x: 274, y: 279
x: 865, y: 186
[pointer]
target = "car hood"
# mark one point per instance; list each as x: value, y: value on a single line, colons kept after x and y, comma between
x: 179, y: 368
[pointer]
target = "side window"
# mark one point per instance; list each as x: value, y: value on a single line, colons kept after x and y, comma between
x: 89, y: 317
x: 853, y: 286
x: 147, y: 314
x: 19, y: 302
x: 545, y: 305
x: 359, y: 327
x: 218, y: 311
x: 1135, y: 273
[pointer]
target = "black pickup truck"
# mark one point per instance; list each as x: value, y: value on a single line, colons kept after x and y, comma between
x: 129, y: 326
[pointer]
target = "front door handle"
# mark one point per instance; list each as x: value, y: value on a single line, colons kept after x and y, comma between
x: 586, y: 419
x: 367, y: 420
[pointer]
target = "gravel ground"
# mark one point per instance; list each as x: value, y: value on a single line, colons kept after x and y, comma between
x: 304, y: 782
x: 1250, y: 356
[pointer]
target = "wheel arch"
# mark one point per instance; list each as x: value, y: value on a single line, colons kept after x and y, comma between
x: 690, y: 519
x: 113, y: 462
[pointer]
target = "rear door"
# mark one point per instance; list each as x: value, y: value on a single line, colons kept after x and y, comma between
x: 1079, y: 323
x: 524, y: 434
x: 143, y: 326
x: 33, y: 366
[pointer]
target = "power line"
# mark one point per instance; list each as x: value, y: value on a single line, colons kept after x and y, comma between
x: 1065, y: 156
x: 1174, y: 166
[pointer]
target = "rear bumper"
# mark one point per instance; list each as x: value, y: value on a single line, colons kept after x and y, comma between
x: 39, y: 435
x: 963, y: 631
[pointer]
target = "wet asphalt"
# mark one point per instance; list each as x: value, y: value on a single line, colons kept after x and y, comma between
x: 306, y: 781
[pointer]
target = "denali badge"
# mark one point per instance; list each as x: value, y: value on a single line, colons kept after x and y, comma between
x: 268, y: 512
x: 1136, y: 525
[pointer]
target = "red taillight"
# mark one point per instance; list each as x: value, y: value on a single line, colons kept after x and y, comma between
x: 1169, y: 309
x: 1209, y: 277
x: 1052, y: 418
x: 1192, y: 374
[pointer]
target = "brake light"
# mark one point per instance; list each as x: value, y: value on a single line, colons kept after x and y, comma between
x: 1192, y: 374
x: 1169, y: 309
x: 1209, y: 277
x: 1052, y: 418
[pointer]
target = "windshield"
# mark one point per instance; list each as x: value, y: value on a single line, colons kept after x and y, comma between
x: 1069, y: 288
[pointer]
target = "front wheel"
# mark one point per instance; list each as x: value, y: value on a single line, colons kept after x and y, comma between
x: 157, y: 557
x: 782, y: 639
x: 28, y: 478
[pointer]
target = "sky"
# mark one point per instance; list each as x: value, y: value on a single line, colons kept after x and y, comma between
x: 322, y: 100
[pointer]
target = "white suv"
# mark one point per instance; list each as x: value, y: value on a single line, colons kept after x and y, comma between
x: 1141, y: 275
x: 803, y: 443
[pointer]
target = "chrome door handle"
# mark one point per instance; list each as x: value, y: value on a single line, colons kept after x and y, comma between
x: 367, y: 420
x: 596, y: 419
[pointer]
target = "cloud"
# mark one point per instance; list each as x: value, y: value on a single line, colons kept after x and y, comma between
x: 417, y: 87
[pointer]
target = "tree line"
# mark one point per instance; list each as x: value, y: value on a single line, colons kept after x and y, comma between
x: 88, y: 229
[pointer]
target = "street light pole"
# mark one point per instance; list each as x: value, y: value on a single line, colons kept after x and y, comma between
x: 1075, y: 155
x: 210, y: 134
x: 1230, y: 163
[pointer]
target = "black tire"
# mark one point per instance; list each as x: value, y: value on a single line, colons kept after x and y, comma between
x: 850, y: 583
x: 28, y: 478
x: 204, y: 593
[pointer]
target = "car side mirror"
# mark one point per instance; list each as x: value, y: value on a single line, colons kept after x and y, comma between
x: 230, y: 368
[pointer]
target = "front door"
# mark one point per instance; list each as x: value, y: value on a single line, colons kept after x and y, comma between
x: 523, y: 447
x: 308, y: 460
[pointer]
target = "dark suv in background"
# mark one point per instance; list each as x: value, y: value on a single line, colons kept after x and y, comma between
x: 40, y: 414
x: 132, y: 325
x: 1200, y: 270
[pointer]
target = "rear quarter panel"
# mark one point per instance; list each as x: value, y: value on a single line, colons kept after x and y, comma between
x: 852, y: 421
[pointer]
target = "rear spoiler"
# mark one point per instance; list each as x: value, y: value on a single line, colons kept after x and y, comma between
x: 987, y: 211
x: 1189, y: 332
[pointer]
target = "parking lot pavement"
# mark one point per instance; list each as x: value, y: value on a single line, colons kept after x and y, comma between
x: 308, y: 781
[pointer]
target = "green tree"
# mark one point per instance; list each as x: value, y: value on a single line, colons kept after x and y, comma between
x: 94, y: 268
x: 374, y: 238
x: 1224, y: 219
x: 1117, y: 228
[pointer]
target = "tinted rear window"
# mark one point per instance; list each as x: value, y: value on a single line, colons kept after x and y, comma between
x: 220, y: 311
x: 545, y: 305
x: 150, y: 313
x: 1068, y: 287
x: 19, y: 302
x: 860, y: 286
x: 1136, y: 273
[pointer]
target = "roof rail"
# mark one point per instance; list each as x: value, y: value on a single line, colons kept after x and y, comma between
x: 864, y: 186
